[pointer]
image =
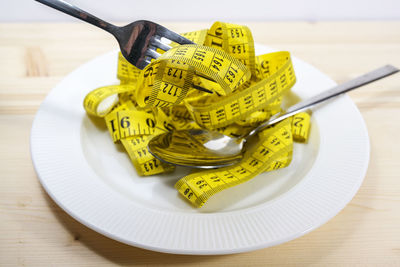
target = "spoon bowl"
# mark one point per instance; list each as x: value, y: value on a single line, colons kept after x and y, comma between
x: 197, y: 148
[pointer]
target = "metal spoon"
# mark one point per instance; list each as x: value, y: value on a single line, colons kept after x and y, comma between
x: 210, y: 149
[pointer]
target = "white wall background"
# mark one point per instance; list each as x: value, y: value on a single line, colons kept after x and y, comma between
x: 208, y: 10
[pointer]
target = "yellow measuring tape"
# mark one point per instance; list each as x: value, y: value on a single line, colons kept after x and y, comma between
x: 266, y: 154
x: 246, y: 91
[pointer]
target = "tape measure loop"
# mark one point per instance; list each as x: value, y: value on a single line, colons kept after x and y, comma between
x: 248, y: 89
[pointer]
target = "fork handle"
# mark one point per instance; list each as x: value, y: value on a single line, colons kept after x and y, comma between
x: 76, y: 12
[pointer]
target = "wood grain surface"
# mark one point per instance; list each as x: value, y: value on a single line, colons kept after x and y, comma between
x: 34, y: 231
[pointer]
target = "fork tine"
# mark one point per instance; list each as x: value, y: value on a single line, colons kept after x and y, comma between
x: 157, y: 43
x: 152, y: 53
x: 173, y: 36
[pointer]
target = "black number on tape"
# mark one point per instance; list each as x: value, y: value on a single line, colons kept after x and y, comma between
x: 125, y: 123
x: 150, y: 122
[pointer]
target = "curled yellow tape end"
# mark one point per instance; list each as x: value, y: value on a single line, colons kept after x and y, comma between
x: 301, y: 127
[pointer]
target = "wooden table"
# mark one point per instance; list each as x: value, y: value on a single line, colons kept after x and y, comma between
x: 34, y: 231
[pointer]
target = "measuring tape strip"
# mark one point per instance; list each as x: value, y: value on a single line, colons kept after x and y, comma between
x: 100, y: 101
x: 126, y: 123
x: 164, y: 83
x: 273, y: 151
x: 126, y: 72
x: 172, y: 83
x: 221, y: 67
x: 145, y: 163
x: 129, y: 125
x: 167, y: 80
x: 234, y: 39
x: 179, y: 111
x: 239, y: 105
x: 197, y: 37
x: 198, y: 187
x: 301, y: 127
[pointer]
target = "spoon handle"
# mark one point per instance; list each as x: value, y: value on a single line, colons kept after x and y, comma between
x: 335, y: 91
x: 76, y: 12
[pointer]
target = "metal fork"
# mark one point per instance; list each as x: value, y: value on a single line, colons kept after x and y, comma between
x: 138, y: 40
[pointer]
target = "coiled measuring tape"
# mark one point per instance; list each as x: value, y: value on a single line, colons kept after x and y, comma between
x: 247, y: 90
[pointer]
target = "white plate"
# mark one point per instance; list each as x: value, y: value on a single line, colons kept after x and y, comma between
x: 93, y: 180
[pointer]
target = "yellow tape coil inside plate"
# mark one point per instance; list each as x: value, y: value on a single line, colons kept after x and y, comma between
x: 247, y: 90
